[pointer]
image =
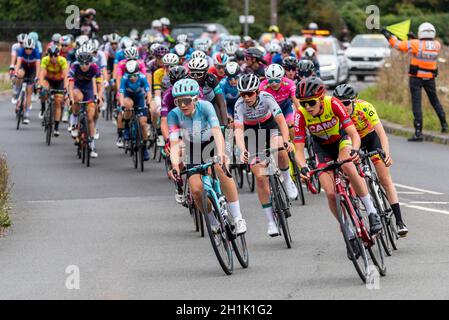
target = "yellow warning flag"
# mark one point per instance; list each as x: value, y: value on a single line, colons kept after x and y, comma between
x: 400, y: 29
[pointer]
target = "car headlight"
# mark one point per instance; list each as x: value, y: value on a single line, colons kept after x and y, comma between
x: 329, y: 67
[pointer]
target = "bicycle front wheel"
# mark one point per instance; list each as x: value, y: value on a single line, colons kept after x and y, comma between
x: 219, y: 239
x: 250, y: 179
x: 241, y: 250
x: 281, y: 207
x: 349, y: 231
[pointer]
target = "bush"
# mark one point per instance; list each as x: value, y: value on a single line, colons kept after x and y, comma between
x: 5, y: 221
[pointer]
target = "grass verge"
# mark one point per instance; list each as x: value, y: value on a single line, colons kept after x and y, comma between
x: 5, y: 220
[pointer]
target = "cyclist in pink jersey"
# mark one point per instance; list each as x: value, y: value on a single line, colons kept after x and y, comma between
x: 282, y: 89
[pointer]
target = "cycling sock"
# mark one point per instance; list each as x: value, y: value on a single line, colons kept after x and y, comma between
x: 73, y: 119
x: 368, y: 203
x: 397, y: 212
x: 268, y: 210
x: 212, y: 219
x: 92, y: 143
x: 56, y: 125
x: 286, y: 174
x: 120, y: 133
x: 42, y: 106
x: 234, y: 207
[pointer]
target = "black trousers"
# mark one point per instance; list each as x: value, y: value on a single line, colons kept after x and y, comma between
x: 429, y: 86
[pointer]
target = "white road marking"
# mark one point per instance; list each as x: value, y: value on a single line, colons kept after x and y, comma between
x: 417, y: 189
x: 409, y: 192
x: 429, y: 202
x: 424, y: 208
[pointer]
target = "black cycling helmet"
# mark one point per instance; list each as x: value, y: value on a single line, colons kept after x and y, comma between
x: 306, y: 68
x: 239, y: 55
x: 84, y: 57
x: 177, y: 73
x: 290, y: 63
x: 53, y: 51
x: 286, y: 47
x: 308, y: 88
x: 254, y: 53
x: 345, y: 92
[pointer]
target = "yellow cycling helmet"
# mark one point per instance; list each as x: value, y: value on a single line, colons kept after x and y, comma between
x: 273, y: 28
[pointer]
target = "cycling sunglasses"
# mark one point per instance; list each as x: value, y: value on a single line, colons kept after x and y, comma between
x: 309, y: 103
x: 347, y: 103
x: 233, y: 78
x: 64, y: 45
x: 290, y: 69
x: 247, y: 94
x: 270, y: 81
x: 197, y: 75
x: 179, y: 102
x: 131, y: 76
x: 114, y: 43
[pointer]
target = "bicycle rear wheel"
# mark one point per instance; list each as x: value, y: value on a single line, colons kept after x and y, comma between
x: 140, y: 146
x: 220, y: 241
x: 237, y: 173
x: 347, y: 223
x: 20, y: 110
x: 374, y: 190
x: 390, y: 221
x: 297, y: 180
x: 48, y: 123
x: 250, y: 179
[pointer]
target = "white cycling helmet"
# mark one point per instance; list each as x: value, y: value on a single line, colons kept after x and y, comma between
x: 21, y: 37
x: 273, y: 47
x: 198, y: 54
x: 180, y: 49
x: 126, y: 43
x: 182, y: 38
x: 156, y: 24
x: 248, y: 83
x: 274, y: 72
x: 65, y: 40
x: 95, y: 44
x: 170, y: 59
x: 29, y: 43
x: 232, y: 69
x: 81, y: 40
x: 198, y: 64
x: 132, y: 67
x: 426, y: 30
x: 114, y: 38
x: 309, y: 53
x: 164, y: 21
x: 131, y: 53
x: 56, y: 37
x: 230, y: 48
x: 153, y: 47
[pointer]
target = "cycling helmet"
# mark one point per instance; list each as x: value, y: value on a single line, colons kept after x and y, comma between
x: 185, y: 87
x: 164, y: 21
x: 85, y: 48
x: 170, y: 60
x: 309, y: 53
x: 220, y: 59
x: 239, y: 55
x: 29, y: 43
x: 312, y: 87
x: 91, y: 11
x: 21, y: 37
x: 33, y: 35
x: 153, y: 47
x: 198, y: 64
x: 55, y: 38
x: 273, y: 28
x: 156, y: 24
x: 290, y: 63
x: 345, y: 92
x: 53, y: 50
x: 177, y: 73
x: 65, y: 40
x: 273, y: 48
x: 132, y: 67
x: 114, y: 38
x: 145, y: 40
x: 182, y: 38
x: 197, y: 54
x: 159, y: 38
x: 305, y: 68
x: 286, y: 46
x: 81, y: 40
x: 131, y: 53
x: 254, y: 53
x: 180, y: 49
x: 84, y: 57
x: 161, y: 51
x: 274, y: 71
x: 94, y: 44
x: 232, y: 69
x: 248, y: 83
x: 230, y: 48
x: 126, y: 42
x: 201, y: 44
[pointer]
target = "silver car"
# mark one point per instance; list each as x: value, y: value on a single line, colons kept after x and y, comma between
x: 367, y: 54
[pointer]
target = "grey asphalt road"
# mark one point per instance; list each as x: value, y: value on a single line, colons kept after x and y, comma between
x: 129, y: 239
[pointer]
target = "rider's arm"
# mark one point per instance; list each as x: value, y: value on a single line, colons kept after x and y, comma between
x: 221, y: 103
x: 346, y: 122
x: 122, y: 90
x: 13, y: 59
x: 65, y: 73
x: 71, y: 87
x: 219, y: 140
x: 18, y: 64
x: 379, y: 128
x: 42, y: 74
x: 175, y: 145
x: 239, y: 136
x: 300, y: 138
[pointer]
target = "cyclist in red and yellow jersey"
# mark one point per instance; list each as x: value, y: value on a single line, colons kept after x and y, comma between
x: 334, y: 136
x: 373, y: 137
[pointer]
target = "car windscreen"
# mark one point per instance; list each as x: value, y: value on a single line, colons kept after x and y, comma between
x: 369, y: 42
x: 324, y: 45
x: 191, y: 32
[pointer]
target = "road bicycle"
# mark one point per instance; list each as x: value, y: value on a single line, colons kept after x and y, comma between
x: 48, y: 120
x: 295, y: 172
x: 84, y: 137
x: 135, y: 145
x: 21, y: 101
x: 353, y: 224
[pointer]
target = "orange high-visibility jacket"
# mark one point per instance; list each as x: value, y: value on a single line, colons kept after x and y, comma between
x: 423, y: 54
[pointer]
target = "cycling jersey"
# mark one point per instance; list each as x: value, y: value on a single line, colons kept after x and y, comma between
x: 213, y: 71
x: 121, y: 67
x: 211, y: 88
x: 100, y: 60
x: 29, y: 60
x: 119, y: 56
x: 110, y: 51
x: 326, y: 128
x: 140, y: 87
x: 196, y: 129
x: 260, y: 72
x: 54, y: 70
x: 83, y: 79
x: 364, y: 117
x: 161, y: 80
x: 266, y: 108
x: 231, y: 94
x: 277, y: 58
x: 69, y: 55
x: 153, y: 65
x: 286, y: 91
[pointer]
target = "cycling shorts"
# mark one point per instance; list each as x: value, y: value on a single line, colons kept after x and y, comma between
x: 261, y: 134
x: 30, y: 72
x: 371, y: 142
x: 330, y: 152
x: 287, y: 111
x: 56, y: 84
x: 88, y: 93
x: 139, y: 105
x: 195, y: 156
